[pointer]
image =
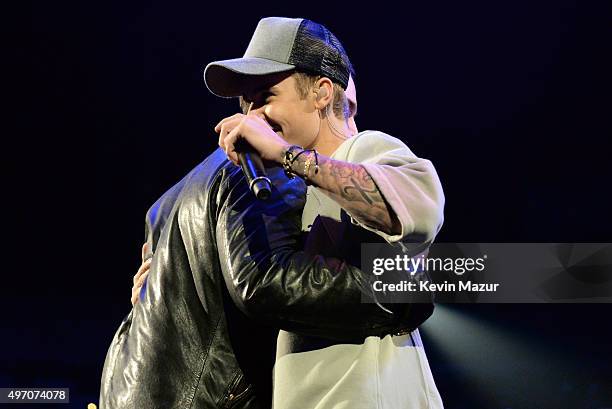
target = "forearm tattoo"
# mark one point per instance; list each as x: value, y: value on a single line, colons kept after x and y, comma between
x: 353, y: 189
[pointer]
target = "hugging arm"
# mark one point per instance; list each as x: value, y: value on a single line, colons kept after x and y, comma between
x: 271, y: 279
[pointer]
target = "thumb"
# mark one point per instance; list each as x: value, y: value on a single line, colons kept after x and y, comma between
x: 145, y: 248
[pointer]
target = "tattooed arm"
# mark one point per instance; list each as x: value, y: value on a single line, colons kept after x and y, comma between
x: 352, y: 188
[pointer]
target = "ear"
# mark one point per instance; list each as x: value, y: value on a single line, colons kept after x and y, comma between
x: 324, y: 92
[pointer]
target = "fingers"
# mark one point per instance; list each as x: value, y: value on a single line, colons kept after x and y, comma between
x: 144, y: 267
x: 229, y: 133
x: 224, y: 120
x: 240, y: 126
x: 136, y: 293
x: 141, y: 275
x: 230, y: 141
x: 141, y: 279
x: 138, y: 286
x: 225, y: 128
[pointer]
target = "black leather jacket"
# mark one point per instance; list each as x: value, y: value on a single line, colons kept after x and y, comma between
x: 227, y: 271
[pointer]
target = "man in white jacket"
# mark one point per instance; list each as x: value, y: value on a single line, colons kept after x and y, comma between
x: 292, y: 81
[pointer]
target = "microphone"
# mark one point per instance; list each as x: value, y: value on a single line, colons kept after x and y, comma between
x: 253, y: 169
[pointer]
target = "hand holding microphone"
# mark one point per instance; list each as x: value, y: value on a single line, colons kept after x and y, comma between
x: 247, y: 139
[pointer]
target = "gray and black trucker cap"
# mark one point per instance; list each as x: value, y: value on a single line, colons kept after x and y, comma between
x: 279, y: 45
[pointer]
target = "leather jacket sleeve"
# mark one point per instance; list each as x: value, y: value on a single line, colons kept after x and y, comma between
x: 271, y: 279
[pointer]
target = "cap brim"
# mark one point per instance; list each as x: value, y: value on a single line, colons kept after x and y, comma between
x: 231, y: 78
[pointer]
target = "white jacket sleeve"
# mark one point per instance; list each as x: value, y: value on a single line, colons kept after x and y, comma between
x: 409, y: 184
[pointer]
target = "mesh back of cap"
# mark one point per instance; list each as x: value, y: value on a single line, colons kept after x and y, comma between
x: 318, y: 51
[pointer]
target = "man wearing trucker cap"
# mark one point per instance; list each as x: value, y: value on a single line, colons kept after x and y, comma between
x: 291, y: 83
x: 142, y: 273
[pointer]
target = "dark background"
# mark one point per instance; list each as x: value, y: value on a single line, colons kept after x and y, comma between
x: 508, y: 99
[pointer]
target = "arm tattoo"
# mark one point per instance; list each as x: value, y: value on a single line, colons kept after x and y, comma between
x: 351, y: 186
